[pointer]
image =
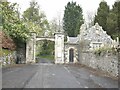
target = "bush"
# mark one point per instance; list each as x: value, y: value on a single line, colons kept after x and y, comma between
x: 105, y: 50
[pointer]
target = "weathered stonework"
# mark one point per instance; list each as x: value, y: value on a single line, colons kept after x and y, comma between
x: 71, y: 43
x: 30, y: 49
x: 75, y: 52
x: 95, y: 38
x: 59, y: 47
x: 107, y: 62
x: 82, y: 48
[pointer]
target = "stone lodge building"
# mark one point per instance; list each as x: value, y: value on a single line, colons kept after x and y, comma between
x: 89, y: 39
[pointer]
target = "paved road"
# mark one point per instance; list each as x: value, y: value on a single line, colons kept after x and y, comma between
x: 48, y: 75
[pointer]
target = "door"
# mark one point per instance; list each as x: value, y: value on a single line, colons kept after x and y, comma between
x: 71, y: 55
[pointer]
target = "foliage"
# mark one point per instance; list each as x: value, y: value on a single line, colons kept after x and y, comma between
x: 90, y: 19
x: 32, y: 13
x: 109, y: 19
x: 7, y: 42
x: 104, y: 50
x: 7, y: 61
x: 0, y: 16
x: 12, y: 25
x: 35, y: 19
x: 102, y: 14
x: 113, y: 21
x: 47, y: 48
x: 5, y: 52
x: 54, y: 27
x: 73, y: 19
x: 34, y: 27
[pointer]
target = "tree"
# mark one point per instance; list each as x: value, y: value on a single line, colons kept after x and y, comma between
x: 113, y: 21
x: 117, y: 6
x: 47, y: 48
x: 109, y: 19
x: 119, y: 16
x: 36, y: 21
x: 32, y: 13
x: 73, y: 19
x: 0, y: 16
x: 12, y: 25
x: 90, y: 18
x: 35, y: 18
x: 53, y: 25
x: 102, y: 14
x: 56, y: 25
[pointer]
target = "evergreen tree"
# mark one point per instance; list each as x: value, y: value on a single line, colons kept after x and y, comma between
x: 113, y: 21
x: 102, y: 14
x: 109, y: 19
x: 73, y: 19
x: 118, y: 10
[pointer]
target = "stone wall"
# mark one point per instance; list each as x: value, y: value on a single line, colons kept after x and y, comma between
x: 8, y: 59
x: 107, y: 62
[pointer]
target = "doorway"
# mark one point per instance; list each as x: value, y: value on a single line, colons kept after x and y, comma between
x: 71, y: 55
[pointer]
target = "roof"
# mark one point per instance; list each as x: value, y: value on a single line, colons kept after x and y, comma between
x: 72, y: 40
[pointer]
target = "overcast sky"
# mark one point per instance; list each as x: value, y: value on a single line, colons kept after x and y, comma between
x: 55, y: 8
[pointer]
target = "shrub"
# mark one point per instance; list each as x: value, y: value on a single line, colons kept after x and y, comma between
x: 105, y: 50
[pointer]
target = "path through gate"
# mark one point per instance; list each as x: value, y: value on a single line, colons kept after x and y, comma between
x: 59, y: 47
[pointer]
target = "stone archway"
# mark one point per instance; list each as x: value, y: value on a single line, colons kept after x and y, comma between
x: 59, y: 47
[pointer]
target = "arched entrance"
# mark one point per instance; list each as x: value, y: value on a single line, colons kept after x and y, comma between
x: 59, y: 47
x: 71, y: 55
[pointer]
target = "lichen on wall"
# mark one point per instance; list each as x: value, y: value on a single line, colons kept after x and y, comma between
x: 107, y: 62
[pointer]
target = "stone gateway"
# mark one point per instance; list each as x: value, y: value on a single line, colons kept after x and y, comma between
x: 70, y: 51
x: 59, y: 47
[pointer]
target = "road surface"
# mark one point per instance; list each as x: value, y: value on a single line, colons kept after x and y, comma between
x: 48, y: 75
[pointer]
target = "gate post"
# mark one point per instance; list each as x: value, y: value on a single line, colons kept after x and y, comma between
x: 59, y: 48
x: 31, y: 48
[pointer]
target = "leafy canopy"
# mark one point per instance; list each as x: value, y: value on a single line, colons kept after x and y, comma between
x: 102, y: 14
x: 35, y: 19
x: 12, y: 25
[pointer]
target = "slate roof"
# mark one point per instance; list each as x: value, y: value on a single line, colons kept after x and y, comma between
x: 72, y: 40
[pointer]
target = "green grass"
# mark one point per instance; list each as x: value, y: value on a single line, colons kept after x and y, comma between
x: 50, y: 57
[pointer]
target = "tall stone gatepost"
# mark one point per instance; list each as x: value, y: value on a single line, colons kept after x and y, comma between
x: 59, y: 48
x: 30, y: 48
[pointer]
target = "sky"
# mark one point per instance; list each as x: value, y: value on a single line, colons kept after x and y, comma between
x: 55, y: 8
